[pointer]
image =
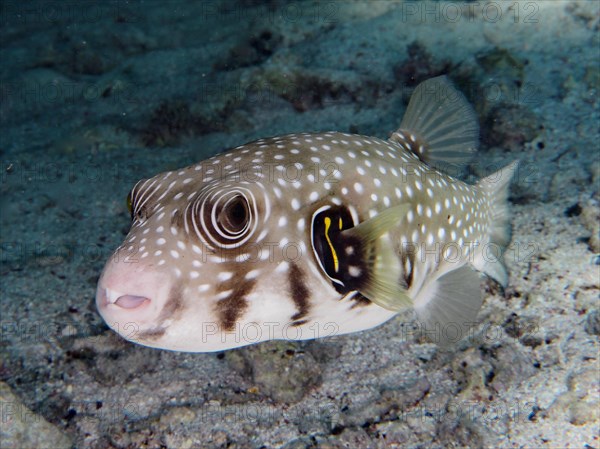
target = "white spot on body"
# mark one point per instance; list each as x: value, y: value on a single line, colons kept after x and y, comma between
x: 282, y: 267
x: 223, y: 295
x: 354, y: 271
x: 224, y: 276
x: 252, y: 274
x: 430, y: 239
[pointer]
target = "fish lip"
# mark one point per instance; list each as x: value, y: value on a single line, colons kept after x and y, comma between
x: 108, y: 297
x: 131, y: 302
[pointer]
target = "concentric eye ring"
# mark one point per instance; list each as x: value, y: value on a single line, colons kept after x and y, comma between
x: 225, y: 219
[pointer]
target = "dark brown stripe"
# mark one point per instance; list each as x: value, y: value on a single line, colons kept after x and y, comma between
x: 171, y: 309
x: 230, y: 309
x: 173, y: 305
x: 409, y: 255
x: 298, y: 323
x: 298, y: 291
x: 149, y: 335
x: 360, y: 301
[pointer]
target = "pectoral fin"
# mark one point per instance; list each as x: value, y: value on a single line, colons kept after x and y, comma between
x: 382, y: 282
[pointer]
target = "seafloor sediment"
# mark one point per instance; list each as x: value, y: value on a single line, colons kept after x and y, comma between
x: 95, y: 96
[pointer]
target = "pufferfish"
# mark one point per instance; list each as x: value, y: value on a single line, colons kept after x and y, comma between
x: 313, y: 234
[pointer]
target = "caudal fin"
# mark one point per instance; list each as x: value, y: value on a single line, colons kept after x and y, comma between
x: 496, y: 188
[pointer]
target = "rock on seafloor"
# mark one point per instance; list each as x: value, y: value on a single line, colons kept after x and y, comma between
x: 22, y: 428
x: 280, y: 369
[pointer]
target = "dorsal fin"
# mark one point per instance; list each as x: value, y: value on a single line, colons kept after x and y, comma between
x: 442, y: 124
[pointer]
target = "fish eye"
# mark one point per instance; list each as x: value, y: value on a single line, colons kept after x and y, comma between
x: 234, y: 215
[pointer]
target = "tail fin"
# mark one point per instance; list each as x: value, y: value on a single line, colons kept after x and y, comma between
x: 496, y: 186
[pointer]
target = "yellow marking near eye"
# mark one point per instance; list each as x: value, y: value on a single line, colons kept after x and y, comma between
x: 340, y: 223
x: 336, y: 264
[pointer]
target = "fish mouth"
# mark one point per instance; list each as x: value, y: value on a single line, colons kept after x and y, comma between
x: 108, y: 298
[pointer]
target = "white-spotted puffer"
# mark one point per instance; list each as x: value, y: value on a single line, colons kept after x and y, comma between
x: 313, y: 234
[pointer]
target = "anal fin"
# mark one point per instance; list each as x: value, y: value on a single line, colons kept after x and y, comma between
x: 448, y: 306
